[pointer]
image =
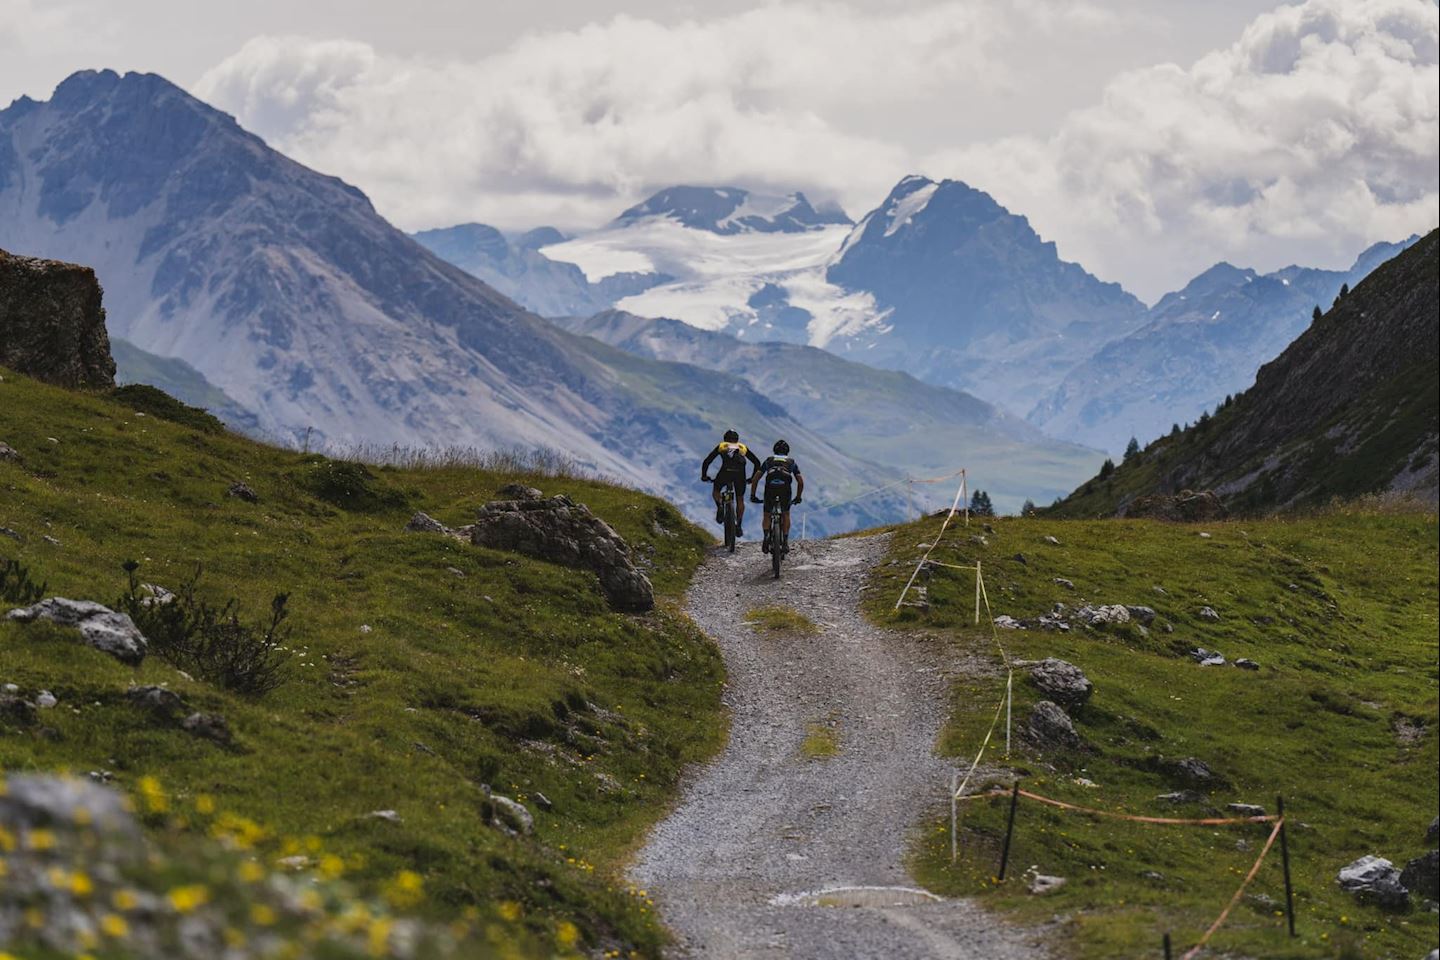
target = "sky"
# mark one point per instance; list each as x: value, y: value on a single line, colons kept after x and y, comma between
x: 1147, y: 138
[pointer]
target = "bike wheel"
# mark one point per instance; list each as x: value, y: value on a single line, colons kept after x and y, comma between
x: 776, y: 548
x: 730, y: 525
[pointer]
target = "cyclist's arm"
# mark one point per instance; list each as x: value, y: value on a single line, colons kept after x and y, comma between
x: 799, y: 482
x: 705, y: 467
x: 750, y: 455
x: 755, y: 480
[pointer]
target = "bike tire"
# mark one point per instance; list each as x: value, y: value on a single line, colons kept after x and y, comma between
x: 776, y: 548
x: 730, y: 525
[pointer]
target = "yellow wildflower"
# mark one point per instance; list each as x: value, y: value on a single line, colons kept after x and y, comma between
x: 262, y: 914
x: 80, y: 885
x: 188, y: 898
x: 566, y: 934
x: 379, y: 936
x: 124, y: 899
x: 405, y: 889
x: 509, y: 910
x: 204, y: 804
x: 114, y: 926
x: 251, y: 872
x: 40, y: 839
x: 331, y: 866
x: 153, y: 795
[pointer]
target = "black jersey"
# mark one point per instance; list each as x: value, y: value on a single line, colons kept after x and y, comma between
x: 779, y: 471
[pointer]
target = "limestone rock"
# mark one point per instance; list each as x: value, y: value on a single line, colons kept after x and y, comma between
x: 1061, y: 581
x: 158, y: 700
x: 1049, y: 726
x: 424, y: 523
x: 52, y: 325
x: 1192, y: 770
x: 1245, y: 809
x: 1106, y: 613
x: 32, y: 800
x: 1209, y: 615
x: 100, y: 627
x: 562, y: 531
x: 512, y: 815
x: 208, y: 726
x: 9, y: 453
x: 1245, y: 663
x: 518, y: 491
x: 1373, y: 879
x: 1207, y: 658
x: 1142, y: 615
x: 1187, y: 506
x: 1062, y: 682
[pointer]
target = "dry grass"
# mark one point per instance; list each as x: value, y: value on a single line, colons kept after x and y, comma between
x: 779, y: 620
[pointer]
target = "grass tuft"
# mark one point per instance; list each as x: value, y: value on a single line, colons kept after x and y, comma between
x: 822, y: 740
x: 776, y: 620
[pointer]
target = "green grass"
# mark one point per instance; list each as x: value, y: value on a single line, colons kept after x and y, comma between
x: 822, y: 740
x: 1339, y: 608
x: 776, y: 620
x: 420, y: 668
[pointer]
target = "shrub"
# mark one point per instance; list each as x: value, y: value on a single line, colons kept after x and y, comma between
x: 347, y: 485
x: 209, y: 642
x: 16, y: 586
x: 157, y: 403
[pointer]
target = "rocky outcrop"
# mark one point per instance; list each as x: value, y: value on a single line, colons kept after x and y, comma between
x: 52, y: 326
x: 1050, y: 727
x: 1062, y: 682
x: 100, y: 627
x: 1422, y: 875
x: 562, y: 531
x: 1374, y: 880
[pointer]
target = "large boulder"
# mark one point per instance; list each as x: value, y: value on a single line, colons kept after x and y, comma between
x: 1374, y: 880
x: 1187, y: 506
x: 35, y: 800
x: 1050, y: 727
x: 1062, y: 682
x: 52, y: 326
x: 562, y: 531
x: 1422, y: 875
x: 102, y: 628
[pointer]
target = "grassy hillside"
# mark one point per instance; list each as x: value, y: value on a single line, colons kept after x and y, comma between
x: 419, y: 668
x: 1340, y: 611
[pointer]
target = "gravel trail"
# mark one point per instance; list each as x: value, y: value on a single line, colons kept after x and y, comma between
x: 770, y: 852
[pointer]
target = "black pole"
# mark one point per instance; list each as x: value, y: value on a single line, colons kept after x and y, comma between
x: 1167, y: 946
x: 1285, y: 865
x: 1009, y: 828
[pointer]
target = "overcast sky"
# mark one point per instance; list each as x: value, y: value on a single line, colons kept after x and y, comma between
x: 1149, y: 138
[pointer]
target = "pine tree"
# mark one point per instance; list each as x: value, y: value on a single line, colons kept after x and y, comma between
x: 980, y: 505
x: 1174, y: 429
x: 1344, y: 290
x: 1315, y: 316
x: 1132, y: 448
x: 1204, y: 420
x: 1027, y: 509
x: 1107, y: 468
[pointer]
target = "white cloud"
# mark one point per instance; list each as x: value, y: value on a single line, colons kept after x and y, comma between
x: 1313, y: 135
x: 566, y: 126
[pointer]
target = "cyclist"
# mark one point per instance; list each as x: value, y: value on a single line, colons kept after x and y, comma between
x: 732, y: 455
x: 779, y: 471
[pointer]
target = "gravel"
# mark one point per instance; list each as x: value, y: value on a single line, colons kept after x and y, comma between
x: 774, y: 854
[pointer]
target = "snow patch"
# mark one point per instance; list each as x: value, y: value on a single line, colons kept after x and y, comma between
x: 908, y: 207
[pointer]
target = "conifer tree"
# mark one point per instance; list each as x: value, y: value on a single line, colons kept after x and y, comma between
x: 1107, y: 468
x: 1132, y: 448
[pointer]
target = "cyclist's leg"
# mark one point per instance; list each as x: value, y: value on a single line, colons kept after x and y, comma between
x: 715, y: 492
x: 784, y: 503
x: 739, y: 485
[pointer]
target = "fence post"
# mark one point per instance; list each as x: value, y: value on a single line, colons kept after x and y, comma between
x: 1285, y: 865
x: 954, y: 816
x: 1166, y: 941
x: 1009, y: 699
x: 1009, y: 829
x: 977, y: 592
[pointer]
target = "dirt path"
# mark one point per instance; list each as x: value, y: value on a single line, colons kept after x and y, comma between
x: 767, y: 843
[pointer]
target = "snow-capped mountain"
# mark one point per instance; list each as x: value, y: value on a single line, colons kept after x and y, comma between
x: 285, y: 290
x: 971, y: 296
x: 1196, y: 346
x: 730, y: 210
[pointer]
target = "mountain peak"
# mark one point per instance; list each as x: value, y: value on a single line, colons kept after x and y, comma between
x: 730, y: 210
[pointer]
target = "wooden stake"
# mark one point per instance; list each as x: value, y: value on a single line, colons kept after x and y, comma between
x: 1009, y: 829
x: 1285, y: 865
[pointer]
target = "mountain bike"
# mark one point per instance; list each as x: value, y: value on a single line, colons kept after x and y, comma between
x: 727, y: 508
x: 779, y: 539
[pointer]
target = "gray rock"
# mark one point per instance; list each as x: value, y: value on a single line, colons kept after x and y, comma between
x: 1207, y: 658
x: 209, y: 726
x: 512, y: 815
x: 1245, y: 663
x: 16, y: 711
x: 44, y: 800
x: 100, y: 627
x: 158, y: 595
x: 50, y: 540
x: 1181, y: 796
x: 1422, y: 875
x: 1020, y: 559
x: 1373, y: 879
x: 158, y: 700
x: 1433, y: 954
x: 1209, y: 615
x: 1049, y: 726
x: 45, y: 700
x: 9, y: 453
x: 543, y: 802
x: 1052, y: 541
x: 12, y: 534
x: 1040, y: 884
x: 1006, y: 622
x: 560, y: 530
x: 52, y: 324
x: 242, y: 491
x: 424, y: 523
x: 1067, y: 584
x: 1142, y: 615
x: 390, y: 816
x: 1245, y: 809
x: 1062, y: 682
x: 1106, y: 613
x: 518, y: 491
x: 1192, y: 770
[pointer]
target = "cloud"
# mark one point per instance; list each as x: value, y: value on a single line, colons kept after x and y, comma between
x: 1312, y: 136
x: 567, y: 126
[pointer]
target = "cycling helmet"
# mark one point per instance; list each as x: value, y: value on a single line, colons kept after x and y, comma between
x: 731, y: 436
x: 782, y: 448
